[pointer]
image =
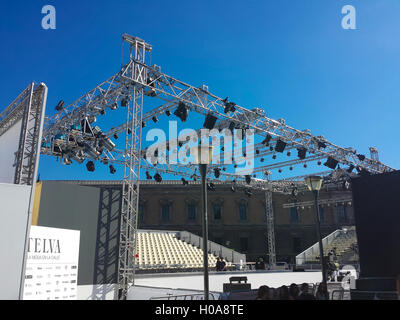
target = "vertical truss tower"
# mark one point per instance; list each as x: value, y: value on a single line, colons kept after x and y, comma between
x: 134, y: 75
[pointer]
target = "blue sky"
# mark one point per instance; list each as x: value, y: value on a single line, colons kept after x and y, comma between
x: 292, y: 58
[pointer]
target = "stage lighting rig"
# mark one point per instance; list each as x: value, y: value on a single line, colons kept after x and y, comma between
x: 267, y: 140
x: 301, y: 153
x: 210, y: 121
x: 90, y: 166
x: 229, y: 106
x: 157, y: 177
x: 280, y: 146
x: 60, y: 105
x: 331, y: 163
x: 361, y: 157
x: 112, y: 169
x: 182, y: 111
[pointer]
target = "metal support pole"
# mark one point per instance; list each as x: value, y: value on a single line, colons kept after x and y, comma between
x: 203, y: 172
x: 321, y: 248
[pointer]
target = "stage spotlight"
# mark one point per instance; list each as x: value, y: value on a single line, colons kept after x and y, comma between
x: 223, y: 169
x: 129, y: 131
x: 290, y: 168
x: 271, y: 148
x: 321, y: 144
x: 124, y: 102
x: 229, y: 106
x: 102, y: 112
x: 115, y: 136
x: 148, y: 176
x: 217, y: 172
x: 262, y: 159
x: 248, y: 193
x: 210, y: 121
x: 235, y: 166
x: 288, y: 153
x: 168, y: 113
x: 59, y: 105
x: 361, y: 157
x: 143, y: 124
x: 248, y: 179
x: 182, y: 111
x: 319, y: 163
x: 211, y: 186
x: 350, y: 169
x: 112, y: 169
x: 301, y: 153
x: 90, y: 166
x: 267, y: 140
x: 274, y: 156
x: 114, y: 106
x: 280, y: 146
x: 305, y: 165
x: 155, y: 119
x: 257, y: 151
x: 331, y: 163
x: 280, y: 170
x: 184, y: 182
x: 157, y: 177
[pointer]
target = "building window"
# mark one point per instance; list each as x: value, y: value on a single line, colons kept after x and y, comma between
x: 165, y: 212
x: 294, y: 215
x: 242, y: 211
x: 297, y: 245
x: 244, y: 244
x: 217, y: 212
x: 191, y: 212
x: 342, y: 218
x: 321, y: 214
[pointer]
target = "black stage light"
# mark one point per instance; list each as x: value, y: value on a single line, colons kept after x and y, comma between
x: 184, y: 182
x: 280, y: 170
x: 361, y: 157
x: 229, y: 106
x: 211, y: 186
x: 168, y: 113
x: 143, y: 124
x: 114, y: 106
x: 288, y: 153
x: 319, y: 163
x: 182, y: 111
x: 124, y: 102
x: 257, y: 151
x: 321, y: 144
x: 331, y: 163
x: 217, y: 172
x: 90, y: 166
x: 210, y: 121
x: 267, y: 140
x: 290, y: 168
x: 59, y: 105
x: 274, y: 156
x: 244, y: 154
x: 112, y: 169
x: 157, y: 177
x: 305, y: 165
x: 350, y: 169
x: 115, y: 136
x: 262, y: 159
x: 248, y: 179
x: 301, y: 153
x: 102, y: 112
x: 129, y: 131
x: 280, y: 146
x: 235, y: 166
x: 155, y: 119
x: 271, y: 148
x: 148, y: 176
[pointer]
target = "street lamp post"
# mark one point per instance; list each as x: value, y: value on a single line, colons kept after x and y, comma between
x: 202, y: 156
x: 314, y: 184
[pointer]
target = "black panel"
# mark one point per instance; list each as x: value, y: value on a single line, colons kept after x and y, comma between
x: 377, y: 216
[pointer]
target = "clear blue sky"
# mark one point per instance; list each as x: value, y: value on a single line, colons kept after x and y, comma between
x: 291, y: 58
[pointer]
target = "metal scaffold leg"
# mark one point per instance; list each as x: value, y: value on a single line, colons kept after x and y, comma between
x: 269, y: 214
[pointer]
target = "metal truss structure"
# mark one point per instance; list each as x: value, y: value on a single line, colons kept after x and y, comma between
x: 72, y: 135
x: 28, y: 108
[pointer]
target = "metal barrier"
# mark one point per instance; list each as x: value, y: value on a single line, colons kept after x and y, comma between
x: 196, y: 296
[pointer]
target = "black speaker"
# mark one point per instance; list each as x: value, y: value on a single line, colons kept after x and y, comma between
x: 377, y: 217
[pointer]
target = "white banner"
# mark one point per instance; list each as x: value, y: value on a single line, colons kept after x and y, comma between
x: 52, y: 264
